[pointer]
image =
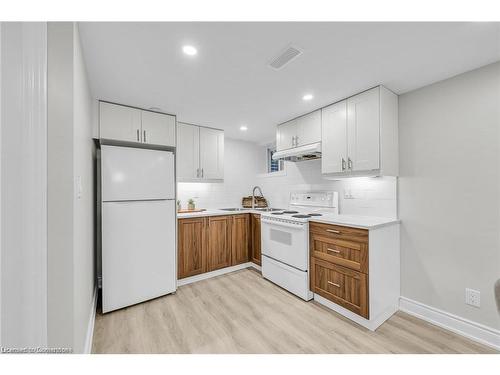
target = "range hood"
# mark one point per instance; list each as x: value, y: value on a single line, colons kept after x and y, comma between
x: 301, y: 153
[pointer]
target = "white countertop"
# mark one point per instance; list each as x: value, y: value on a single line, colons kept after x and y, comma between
x: 215, y: 212
x: 363, y: 222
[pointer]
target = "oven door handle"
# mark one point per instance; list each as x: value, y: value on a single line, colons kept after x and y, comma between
x: 281, y: 224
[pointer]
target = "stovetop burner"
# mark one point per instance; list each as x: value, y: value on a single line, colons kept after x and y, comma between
x: 314, y: 214
x: 290, y: 212
x: 276, y: 213
x: 301, y: 216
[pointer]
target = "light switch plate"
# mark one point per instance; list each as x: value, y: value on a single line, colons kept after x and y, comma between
x: 78, y: 187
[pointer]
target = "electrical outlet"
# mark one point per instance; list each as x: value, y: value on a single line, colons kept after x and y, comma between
x: 348, y: 194
x: 472, y: 297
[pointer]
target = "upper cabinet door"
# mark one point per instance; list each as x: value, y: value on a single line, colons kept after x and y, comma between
x: 188, y: 152
x: 334, y: 138
x: 212, y: 153
x: 363, y: 130
x: 119, y: 122
x: 309, y: 129
x: 158, y: 128
x: 286, y: 135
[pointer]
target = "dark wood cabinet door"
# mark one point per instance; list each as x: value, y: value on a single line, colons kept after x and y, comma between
x: 345, y: 287
x: 255, y: 251
x: 219, y: 242
x: 191, y: 247
x: 240, y: 238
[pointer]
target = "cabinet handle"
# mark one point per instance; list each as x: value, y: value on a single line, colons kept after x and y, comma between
x: 144, y: 136
x: 201, y: 172
x: 138, y: 135
x: 333, y: 250
x: 333, y: 231
x: 343, y: 164
x: 349, y: 163
x: 293, y: 141
x: 197, y: 172
x: 334, y: 284
x: 296, y: 140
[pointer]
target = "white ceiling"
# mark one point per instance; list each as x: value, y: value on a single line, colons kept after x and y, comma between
x: 229, y: 82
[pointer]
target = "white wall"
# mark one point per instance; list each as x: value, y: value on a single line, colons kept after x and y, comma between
x: 245, y: 162
x: 83, y: 224
x: 71, y: 279
x: 23, y: 135
x: 450, y: 193
x: 60, y: 184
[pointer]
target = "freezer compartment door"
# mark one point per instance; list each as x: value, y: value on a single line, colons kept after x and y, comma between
x: 136, y: 174
x: 138, y: 252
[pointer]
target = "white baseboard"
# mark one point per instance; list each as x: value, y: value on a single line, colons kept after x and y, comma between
x: 256, y: 266
x: 464, y: 327
x: 90, y: 330
x: 209, y: 275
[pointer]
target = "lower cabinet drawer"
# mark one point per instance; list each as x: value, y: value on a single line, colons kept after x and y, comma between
x: 348, y: 254
x: 343, y: 286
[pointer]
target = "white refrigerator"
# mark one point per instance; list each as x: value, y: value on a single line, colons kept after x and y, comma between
x: 138, y: 225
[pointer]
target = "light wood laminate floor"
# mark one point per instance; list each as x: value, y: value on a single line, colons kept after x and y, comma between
x: 241, y: 312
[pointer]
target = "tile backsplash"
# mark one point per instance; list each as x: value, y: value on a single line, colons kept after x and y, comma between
x: 244, y: 163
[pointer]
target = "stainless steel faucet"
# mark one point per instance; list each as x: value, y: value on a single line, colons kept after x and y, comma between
x: 253, y: 195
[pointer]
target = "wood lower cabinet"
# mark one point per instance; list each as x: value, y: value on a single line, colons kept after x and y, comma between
x: 339, y: 265
x: 341, y: 285
x: 219, y: 242
x: 255, y: 239
x: 210, y: 243
x: 191, y: 247
x: 240, y: 239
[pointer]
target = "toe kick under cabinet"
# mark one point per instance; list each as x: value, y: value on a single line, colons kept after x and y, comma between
x: 356, y: 271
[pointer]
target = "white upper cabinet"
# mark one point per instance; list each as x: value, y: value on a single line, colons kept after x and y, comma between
x: 360, y: 135
x: 334, y: 138
x: 188, y: 151
x: 200, y: 153
x: 308, y: 129
x: 285, y: 137
x: 119, y: 122
x: 211, y: 153
x: 158, y: 128
x: 129, y: 124
x: 301, y: 131
x: 363, y: 128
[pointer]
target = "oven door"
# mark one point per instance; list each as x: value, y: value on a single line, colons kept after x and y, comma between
x: 285, y: 242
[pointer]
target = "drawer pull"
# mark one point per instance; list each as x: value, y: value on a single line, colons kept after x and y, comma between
x: 333, y: 231
x: 333, y: 250
x: 336, y: 285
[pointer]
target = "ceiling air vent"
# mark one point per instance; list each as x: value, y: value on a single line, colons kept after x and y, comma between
x: 285, y: 57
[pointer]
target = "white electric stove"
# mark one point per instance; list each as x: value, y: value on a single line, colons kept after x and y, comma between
x: 285, y: 240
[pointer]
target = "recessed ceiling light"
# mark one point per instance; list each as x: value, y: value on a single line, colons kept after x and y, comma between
x: 243, y: 128
x: 307, y: 97
x: 189, y: 50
